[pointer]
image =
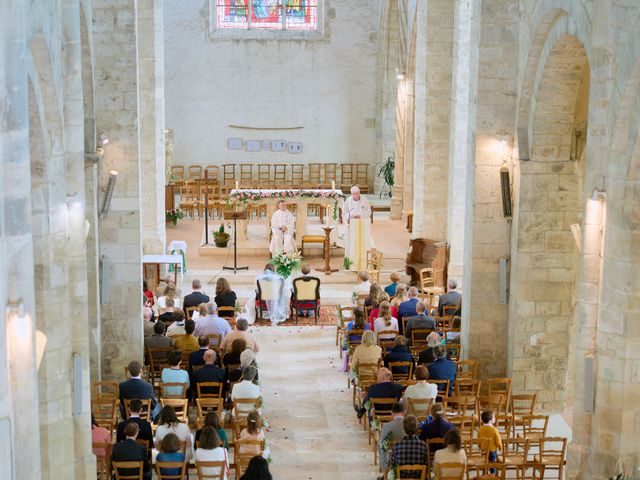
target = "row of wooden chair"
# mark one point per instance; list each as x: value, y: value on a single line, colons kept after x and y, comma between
x: 278, y: 175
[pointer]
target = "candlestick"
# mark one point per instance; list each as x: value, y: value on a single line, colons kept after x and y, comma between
x: 237, y: 185
x: 333, y: 184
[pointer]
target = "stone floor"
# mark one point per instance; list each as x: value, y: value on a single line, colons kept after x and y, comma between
x: 314, y: 431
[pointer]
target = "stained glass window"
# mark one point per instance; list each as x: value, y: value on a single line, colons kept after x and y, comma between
x: 267, y: 14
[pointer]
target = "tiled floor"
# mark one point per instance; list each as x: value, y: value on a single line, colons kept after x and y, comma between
x: 314, y: 430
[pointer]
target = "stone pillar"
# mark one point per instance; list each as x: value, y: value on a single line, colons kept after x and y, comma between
x: 150, y: 100
x: 116, y: 105
x: 397, y: 197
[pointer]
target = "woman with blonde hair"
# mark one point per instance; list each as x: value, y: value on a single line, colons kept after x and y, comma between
x: 391, y: 289
x: 386, y: 322
x: 367, y: 352
x: 200, y: 312
x: 169, y: 292
x: 401, y: 296
x: 375, y: 312
x: 252, y: 432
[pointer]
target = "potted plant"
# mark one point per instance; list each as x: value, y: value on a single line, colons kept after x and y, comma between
x: 221, y: 238
x: 347, y: 262
x: 175, y: 214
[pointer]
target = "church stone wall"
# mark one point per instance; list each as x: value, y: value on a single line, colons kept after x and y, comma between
x: 327, y: 86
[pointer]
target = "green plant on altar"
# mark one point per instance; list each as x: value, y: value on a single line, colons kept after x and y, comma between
x: 175, y: 214
x: 285, y: 264
x: 347, y: 263
x: 221, y: 238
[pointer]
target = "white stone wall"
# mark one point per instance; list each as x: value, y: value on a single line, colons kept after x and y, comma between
x: 329, y: 87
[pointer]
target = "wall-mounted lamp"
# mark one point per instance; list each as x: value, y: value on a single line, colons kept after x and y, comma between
x: 103, y: 139
x: 106, y: 204
x: 399, y: 74
x: 598, y: 194
x: 19, y: 325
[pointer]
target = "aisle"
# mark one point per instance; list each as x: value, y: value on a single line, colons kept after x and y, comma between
x: 314, y: 430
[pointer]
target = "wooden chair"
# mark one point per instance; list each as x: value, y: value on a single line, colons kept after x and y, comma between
x: 530, y: 471
x: 170, y: 465
x: 190, y: 311
x: 387, y: 339
x: 201, y: 467
x: 133, y: 470
x: 157, y: 360
x: 145, y: 444
x: 297, y: 174
x: 402, y: 471
x: 280, y: 176
x: 449, y: 310
x: 476, y: 455
x: 365, y: 377
x: 454, y: 350
x: 106, y: 389
x: 330, y: 171
x: 433, y: 445
x: 246, y: 175
x: 443, y: 387
x: 165, y: 388
x: 267, y: 290
x: 466, y: 424
x: 521, y: 405
x: 213, y: 173
x: 344, y: 314
x: 314, y: 181
x: 488, y: 471
x: 181, y: 406
x: 504, y: 424
x: 495, y: 403
x: 443, y: 471
x: 145, y: 413
x: 177, y: 172
x: 552, y: 455
x: 500, y: 386
x: 209, y: 389
x: 419, y: 336
x: 241, y: 458
x: 205, y: 406
x: 461, y: 405
x: 374, y: 264
x: 515, y: 452
x: 466, y: 387
x: 419, y: 407
x: 215, y: 340
x: 103, y: 462
x: 264, y: 176
x: 380, y: 411
x: 467, y: 369
x: 229, y: 173
x: 229, y: 314
x: 362, y: 177
x: 535, y: 426
x: 306, y: 296
x: 195, y: 172
x: 105, y: 410
x: 188, y: 199
x: 426, y: 278
x: 347, y: 176
x: 399, y: 376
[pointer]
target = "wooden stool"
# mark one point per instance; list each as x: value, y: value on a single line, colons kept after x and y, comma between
x: 312, y: 239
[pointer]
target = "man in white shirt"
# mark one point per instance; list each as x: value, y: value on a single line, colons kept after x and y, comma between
x: 283, y: 225
x: 246, y: 388
x: 212, y: 323
x: 357, y: 242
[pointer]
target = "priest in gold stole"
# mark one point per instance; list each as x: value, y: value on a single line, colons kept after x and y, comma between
x: 356, y: 215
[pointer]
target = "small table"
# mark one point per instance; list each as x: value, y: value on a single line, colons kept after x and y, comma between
x: 327, y: 251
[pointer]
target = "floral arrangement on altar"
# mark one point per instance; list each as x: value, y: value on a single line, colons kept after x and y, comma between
x: 285, y: 264
x: 175, y: 214
x: 248, y: 195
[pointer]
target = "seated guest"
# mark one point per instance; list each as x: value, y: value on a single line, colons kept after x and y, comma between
x: 135, y: 387
x: 367, y: 352
x: 147, y: 311
x: 373, y: 300
x: 410, y: 450
x: 408, y: 307
x: 212, y: 449
x: 451, y: 298
x: 167, y: 316
x: 421, y: 390
x: 158, y: 340
x: 188, y: 342
x: 427, y: 356
x: 392, y: 431
x: 384, y: 388
x: 246, y: 358
x: 375, y: 311
x: 200, y: 312
x: 225, y: 297
x: 442, y: 368
x: 305, y: 270
x: 174, y: 374
x: 209, y: 373
x: 240, y: 332
x: 130, y: 451
x: 398, y: 353
x: 437, y: 426
x: 358, y: 323
x: 364, y: 284
x: 401, y: 296
x: 238, y: 346
x: 252, y: 432
x: 258, y: 469
x: 170, y: 293
x: 177, y: 327
x: 246, y: 388
x: 162, y: 285
x: 147, y: 293
x: 386, y: 322
x: 454, y: 336
x: 170, y: 451
x: 168, y: 423
x: 197, y: 357
x: 147, y: 322
x: 419, y: 321
x: 99, y: 435
x: 391, y: 289
x: 196, y: 297
x: 212, y: 323
x: 211, y: 420
x: 453, y: 453
x: 144, y: 427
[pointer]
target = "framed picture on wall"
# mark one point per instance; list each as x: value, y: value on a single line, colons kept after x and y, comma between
x: 254, y: 145
x: 294, y: 147
x: 266, y: 145
x: 278, y: 146
x: 234, y: 143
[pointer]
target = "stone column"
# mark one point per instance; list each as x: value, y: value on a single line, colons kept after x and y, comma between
x: 397, y: 197
x: 116, y: 104
x: 150, y: 101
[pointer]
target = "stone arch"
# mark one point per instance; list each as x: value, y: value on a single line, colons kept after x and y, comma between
x: 545, y: 258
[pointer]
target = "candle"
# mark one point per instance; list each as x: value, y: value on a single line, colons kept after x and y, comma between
x: 237, y: 185
x: 328, y: 221
x: 333, y: 184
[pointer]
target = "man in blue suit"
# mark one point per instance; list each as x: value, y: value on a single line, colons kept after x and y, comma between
x: 408, y: 307
x: 420, y: 321
x: 442, y: 368
x: 385, y: 388
x: 135, y: 387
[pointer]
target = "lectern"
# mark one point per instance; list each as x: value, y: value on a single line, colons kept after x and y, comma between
x: 235, y: 216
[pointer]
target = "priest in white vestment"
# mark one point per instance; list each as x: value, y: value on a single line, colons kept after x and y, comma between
x: 283, y: 225
x: 356, y: 215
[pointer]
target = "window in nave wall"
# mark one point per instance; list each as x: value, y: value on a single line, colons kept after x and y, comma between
x: 244, y: 18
